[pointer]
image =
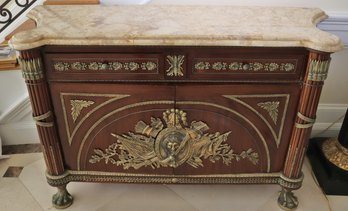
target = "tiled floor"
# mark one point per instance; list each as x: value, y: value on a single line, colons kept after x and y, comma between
x: 30, y: 192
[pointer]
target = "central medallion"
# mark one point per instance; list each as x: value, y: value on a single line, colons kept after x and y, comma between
x: 170, y: 142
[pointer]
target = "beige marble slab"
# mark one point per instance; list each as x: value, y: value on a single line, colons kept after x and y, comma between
x: 177, y: 25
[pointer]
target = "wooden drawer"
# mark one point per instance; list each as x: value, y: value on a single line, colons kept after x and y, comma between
x: 104, y: 66
x: 263, y: 64
x: 195, y: 64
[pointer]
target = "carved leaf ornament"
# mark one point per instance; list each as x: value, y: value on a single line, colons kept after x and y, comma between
x: 77, y: 106
x: 271, y: 108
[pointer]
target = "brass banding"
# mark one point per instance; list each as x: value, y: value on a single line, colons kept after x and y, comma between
x: 293, y: 180
x: 39, y: 120
x: 309, y: 121
x: 97, y: 176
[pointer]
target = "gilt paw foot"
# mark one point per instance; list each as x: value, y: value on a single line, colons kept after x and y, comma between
x: 287, y: 200
x: 62, y: 199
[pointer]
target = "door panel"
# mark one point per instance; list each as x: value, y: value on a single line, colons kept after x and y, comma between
x: 105, y: 125
x: 237, y: 132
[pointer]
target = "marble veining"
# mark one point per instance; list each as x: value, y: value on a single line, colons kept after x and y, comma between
x: 177, y: 25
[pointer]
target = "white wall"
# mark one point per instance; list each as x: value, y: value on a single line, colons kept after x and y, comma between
x: 16, y: 124
x: 12, y: 90
x: 335, y: 90
x: 336, y: 6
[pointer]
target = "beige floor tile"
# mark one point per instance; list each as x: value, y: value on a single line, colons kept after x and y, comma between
x: 338, y: 203
x: 250, y: 197
x: 87, y: 196
x: 307, y: 201
x: 310, y: 198
x: 33, y: 178
x: 91, y: 196
x: 148, y: 197
x: 105, y: 197
x: 14, y: 196
x: 3, y: 167
x: 309, y: 176
x: 23, y: 159
x: 226, y: 197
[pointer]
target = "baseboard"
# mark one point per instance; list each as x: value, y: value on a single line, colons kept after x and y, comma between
x: 329, y: 120
x: 326, y: 130
x: 20, y: 111
x: 17, y: 125
x: 19, y: 133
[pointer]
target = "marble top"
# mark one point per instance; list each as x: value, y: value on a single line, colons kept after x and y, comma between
x: 177, y: 25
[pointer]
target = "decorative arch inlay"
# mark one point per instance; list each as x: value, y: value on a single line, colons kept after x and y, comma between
x: 270, y: 106
x: 80, y: 101
x: 164, y: 102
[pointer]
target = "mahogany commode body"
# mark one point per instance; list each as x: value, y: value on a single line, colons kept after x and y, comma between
x: 174, y: 113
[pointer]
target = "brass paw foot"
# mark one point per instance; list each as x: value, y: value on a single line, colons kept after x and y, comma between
x: 287, y: 200
x: 62, y: 199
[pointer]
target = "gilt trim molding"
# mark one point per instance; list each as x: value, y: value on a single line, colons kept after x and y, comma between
x: 94, y: 176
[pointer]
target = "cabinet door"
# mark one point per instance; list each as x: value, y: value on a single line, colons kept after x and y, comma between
x: 111, y: 127
x: 235, y: 128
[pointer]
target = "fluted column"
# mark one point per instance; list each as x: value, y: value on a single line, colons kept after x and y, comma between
x: 291, y: 178
x: 34, y: 75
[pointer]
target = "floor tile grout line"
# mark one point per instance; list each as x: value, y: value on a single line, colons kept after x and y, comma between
x: 125, y: 189
x: 165, y: 185
x: 29, y: 190
x: 7, y: 165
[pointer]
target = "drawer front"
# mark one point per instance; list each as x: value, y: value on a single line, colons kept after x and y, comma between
x: 160, y: 63
x: 104, y: 66
x: 263, y: 64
